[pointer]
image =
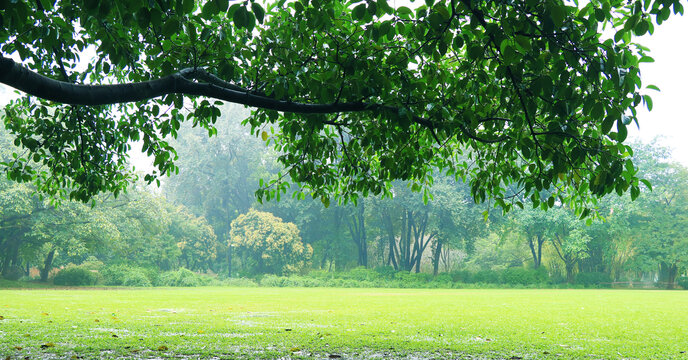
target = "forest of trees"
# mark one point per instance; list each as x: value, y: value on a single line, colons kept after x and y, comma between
x: 206, y: 219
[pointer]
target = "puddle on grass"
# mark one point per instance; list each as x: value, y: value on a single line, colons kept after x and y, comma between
x: 259, y: 314
x: 224, y: 335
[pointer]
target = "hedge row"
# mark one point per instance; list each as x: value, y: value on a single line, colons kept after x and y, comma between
x: 121, y: 275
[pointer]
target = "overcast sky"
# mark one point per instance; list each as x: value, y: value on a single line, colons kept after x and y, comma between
x: 668, y: 121
x: 668, y: 118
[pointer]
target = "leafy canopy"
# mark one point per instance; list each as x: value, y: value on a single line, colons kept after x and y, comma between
x: 526, y: 98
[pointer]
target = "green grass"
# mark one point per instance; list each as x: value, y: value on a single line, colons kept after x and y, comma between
x: 10, y: 284
x: 354, y: 323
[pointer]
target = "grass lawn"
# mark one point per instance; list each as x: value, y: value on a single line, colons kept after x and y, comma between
x: 351, y: 323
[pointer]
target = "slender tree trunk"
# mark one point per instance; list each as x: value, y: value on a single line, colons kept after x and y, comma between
x: 47, y: 265
x: 229, y: 260
x: 391, y: 240
x: 569, y: 271
x: 531, y: 245
x: 541, y: 241
x: 358, y: 234
x: 436, y: 252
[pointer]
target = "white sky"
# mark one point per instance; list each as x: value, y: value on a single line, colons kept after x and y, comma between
x: 668, y: 118
x: 667, y: 122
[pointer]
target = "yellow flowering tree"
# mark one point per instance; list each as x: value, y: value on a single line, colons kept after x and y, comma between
x: 267, y: 244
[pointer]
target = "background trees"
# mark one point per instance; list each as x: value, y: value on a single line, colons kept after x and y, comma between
x: 642, y: 240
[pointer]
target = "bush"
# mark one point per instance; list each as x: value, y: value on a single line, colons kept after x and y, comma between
x: 386, y: 272
x: 14, y: 273
x: 593, y: 279
x: 683, y: 282
x: 75, y: 276
x: 114, y: 275
x: 124, y: 275
x: 272, y: 281
x: 239, y: 282
x: 461, y: 276
x: 92, y: 263
x: 137, y: 278
x: 485, y: 277
x: 182, y: 278
x: 361, y: 274
x: 518, y: 276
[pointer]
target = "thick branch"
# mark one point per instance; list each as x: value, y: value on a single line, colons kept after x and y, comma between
x: 21, y: 78
x: 32, y: 83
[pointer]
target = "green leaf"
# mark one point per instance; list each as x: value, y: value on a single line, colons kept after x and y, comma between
x: 607, y: 124
x: 635, y: 192
x: 475, y: 51
x: 641, y: 28
x: 222, y: 5
x: 557, y: 13
x: 171, y: 27
x: 647, y: 183
x: 599, y: 15
x: 597, y: 110
x: 47, y: 4
x: 209, y: 10
x: 188, y: 6
x: 648, y: 102
x: 359, y: 12
x: 258, y: 11
x: 240, y: 17
x: 622, y: 131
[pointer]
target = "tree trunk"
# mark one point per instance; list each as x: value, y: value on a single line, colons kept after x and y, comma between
x: 569, y: 272
x: 536, y: 253
x: 541, y: 240
x: 391, y: 240
x: 47, y: 265
x: 668, y: 273
x: 12, y: 254
x: 229, y: 260
x: 436, y: 252
x: 358, y: 234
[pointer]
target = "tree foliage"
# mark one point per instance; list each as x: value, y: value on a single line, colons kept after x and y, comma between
x: 273, y: 246
x: 352, y: 94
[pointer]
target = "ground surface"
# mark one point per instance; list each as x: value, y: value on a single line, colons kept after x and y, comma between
x: 347, y: 323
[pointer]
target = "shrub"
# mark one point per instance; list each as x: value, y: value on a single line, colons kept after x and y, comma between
x: 361, y: 274
x: 14, y: 273
x: 124, y: 275
x: 273, y: 281
x: 137, y: 278
x: 593, y: 279
x: 239, y: 282
x: 386, y: 272
x: 92, y: 263
x: 485, y: 277
x: 75, y: 276
x: 518, y: 276
x: 182, y: 278
x: 114, y: 275
x: 683, y: 282
x: 461, y: 276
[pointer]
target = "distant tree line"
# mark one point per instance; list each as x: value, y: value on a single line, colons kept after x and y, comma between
x: 206, y: 219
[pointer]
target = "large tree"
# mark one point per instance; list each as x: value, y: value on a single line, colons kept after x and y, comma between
x: 353, y: 94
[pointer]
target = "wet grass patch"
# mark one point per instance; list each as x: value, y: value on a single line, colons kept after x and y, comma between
x: 226, y: 323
